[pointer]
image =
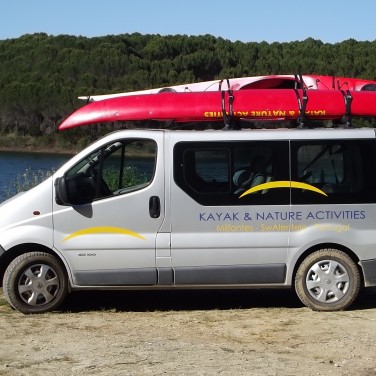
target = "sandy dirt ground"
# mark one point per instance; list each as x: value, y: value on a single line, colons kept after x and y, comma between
x: 248, y: 332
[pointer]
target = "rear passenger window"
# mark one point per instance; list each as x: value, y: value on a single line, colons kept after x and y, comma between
x: 323, y: 164
x: 207, y: 170
x: 221, y: 173
x: 343, y: 171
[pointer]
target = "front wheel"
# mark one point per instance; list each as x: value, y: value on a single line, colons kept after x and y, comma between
x: 327, y: 280
x: 35, y: 282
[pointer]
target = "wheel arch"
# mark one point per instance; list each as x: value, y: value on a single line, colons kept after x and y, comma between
x: 337, y: 246
x: 21, y: 249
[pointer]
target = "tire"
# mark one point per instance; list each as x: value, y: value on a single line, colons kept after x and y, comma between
x: 35, y: 282
x: 327, y: 280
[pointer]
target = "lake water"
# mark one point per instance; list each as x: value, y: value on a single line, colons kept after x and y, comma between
x: 15, y: 164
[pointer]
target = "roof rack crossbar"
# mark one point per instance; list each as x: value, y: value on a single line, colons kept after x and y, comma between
x: 346, y: 119
x: 227, y: 116
x: 302, y: 101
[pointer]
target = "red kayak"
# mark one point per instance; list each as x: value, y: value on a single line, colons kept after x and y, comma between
x: 260, y: 104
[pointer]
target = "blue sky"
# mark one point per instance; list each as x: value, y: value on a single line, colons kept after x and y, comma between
x: 331, y: 21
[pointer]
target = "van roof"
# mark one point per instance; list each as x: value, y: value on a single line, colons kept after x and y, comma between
x: 274, y: 134
x: 244, y: 134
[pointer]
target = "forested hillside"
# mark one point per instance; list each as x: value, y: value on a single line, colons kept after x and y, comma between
x: 41, y: 75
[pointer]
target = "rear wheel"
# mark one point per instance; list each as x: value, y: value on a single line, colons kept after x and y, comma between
x: 327, y: 280
x: 35, y: 282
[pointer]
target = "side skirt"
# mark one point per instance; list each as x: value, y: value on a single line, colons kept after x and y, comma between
x: 181, y: 276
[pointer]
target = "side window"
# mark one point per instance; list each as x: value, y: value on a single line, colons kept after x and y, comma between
x: 129, y: 167
x: 322, y: 164
x: 207, y: 170
x: 253, y: 166
x: 118, y: 168
x: 223, y: 173
x: 341, y: 170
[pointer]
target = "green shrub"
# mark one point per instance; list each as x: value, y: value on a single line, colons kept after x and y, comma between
x: 132, y: 177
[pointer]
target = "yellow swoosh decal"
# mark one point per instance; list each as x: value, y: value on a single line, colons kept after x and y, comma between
x: 283, y: 184
x: 104, y: 230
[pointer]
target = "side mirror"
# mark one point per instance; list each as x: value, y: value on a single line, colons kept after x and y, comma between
x: 61, y: 193
x: 77, y: 190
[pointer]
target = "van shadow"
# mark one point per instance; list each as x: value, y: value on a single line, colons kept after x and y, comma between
x: 193, y: 300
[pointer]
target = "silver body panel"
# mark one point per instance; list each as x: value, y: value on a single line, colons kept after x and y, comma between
x: 114, y: 242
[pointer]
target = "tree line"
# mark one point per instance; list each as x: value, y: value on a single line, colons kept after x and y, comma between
x: 41, y: 76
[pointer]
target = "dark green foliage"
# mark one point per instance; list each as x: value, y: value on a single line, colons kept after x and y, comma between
x: 41, y: 76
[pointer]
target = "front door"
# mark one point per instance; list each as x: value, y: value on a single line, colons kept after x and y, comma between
x: 111, y: 240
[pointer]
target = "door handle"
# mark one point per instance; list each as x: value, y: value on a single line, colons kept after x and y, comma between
x: 154, y: 207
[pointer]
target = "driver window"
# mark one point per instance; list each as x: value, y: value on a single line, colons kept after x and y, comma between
x: 118, y: 168
x: 129, y: 167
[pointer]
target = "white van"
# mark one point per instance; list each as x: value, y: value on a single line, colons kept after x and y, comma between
x: 160, y: 209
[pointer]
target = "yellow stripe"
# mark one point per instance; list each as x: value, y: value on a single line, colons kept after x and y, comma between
x: 104, y: 230
x: 283, y: 184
